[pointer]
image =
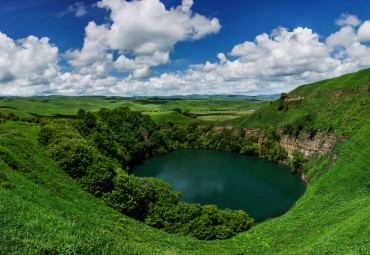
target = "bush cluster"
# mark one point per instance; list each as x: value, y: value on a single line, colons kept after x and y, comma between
x: 305, y: 122
x: 12, y: 116
x: 186, y: 113
x: 297, y: 161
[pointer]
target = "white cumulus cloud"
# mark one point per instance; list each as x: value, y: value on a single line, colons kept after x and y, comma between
x: 346, y: 19
x: 29, y: 63
x: 347, y: 42
x: 144, y: 27
x: 142, y: 32
x: 364, y: 32
x: 78, y: 9
x: 344, y: 37
x: 269, y: 64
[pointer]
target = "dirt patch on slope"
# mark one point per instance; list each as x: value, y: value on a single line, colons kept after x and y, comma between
x: 293, y: 99
x: 5, y: 132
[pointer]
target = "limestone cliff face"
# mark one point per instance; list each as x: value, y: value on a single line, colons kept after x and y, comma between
x: 320, y: 144
x: 248, y: 131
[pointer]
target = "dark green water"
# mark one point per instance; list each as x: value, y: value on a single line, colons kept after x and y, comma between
x: 228, y: 180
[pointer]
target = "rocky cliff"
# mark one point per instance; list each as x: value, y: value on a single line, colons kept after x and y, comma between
x: 320, y: 144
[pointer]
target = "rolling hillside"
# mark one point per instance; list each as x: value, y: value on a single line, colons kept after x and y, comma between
x: 341, y: 103
x: 67, y: 106
x: 44, y: 211
x: 158, y: 108
x: 229, y: 97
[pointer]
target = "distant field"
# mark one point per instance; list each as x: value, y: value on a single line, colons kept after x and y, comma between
x: 214, y: 105
x: 220, y: 115
x: 53, y: 106
x: 229, y: 97
x: 165, y: 117
x: 160, y: 109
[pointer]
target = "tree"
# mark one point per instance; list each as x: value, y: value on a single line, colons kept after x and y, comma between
x: 127, y: 196
x: 73, y: 155
x: 187, y: 113
x: 297, y: 161
x: 178, y: 110
x: 283, y: 96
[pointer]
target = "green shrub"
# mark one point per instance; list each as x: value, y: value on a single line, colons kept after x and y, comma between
x: 73, y: 155
x: 297, y: 161
x: 98, y: 178
x: 178, y: 110
x: 127, y: 196
x: 6, y: 185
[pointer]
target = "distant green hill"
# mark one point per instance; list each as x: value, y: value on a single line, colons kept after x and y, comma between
x: 63, y: 106
x: 341, y: 103
x: 229, y: 97
x: 213, y: 105
x: 44, y: 211
x: 160, y: 109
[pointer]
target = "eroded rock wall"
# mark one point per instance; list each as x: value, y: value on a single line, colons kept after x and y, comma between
x: 320, y: 144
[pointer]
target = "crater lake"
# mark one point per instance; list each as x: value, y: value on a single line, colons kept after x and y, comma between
x: 229, y: 180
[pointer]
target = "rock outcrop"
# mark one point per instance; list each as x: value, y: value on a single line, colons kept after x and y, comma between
x: 248, y: 131
x: 297, y: 98
x: 320, y: 144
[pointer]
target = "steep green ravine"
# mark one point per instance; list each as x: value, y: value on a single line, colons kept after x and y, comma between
x: 340, y: 103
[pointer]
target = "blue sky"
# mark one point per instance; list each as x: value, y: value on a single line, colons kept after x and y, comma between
x: 169, y: 47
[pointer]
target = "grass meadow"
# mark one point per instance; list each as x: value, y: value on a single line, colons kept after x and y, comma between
x: 160, y: 109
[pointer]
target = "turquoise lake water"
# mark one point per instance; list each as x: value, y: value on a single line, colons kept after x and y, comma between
x: 228, y: 180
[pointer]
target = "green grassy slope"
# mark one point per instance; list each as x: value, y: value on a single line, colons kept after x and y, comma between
x: 229, y: 97
x: 213, y: 105
x: 51, y: 106
x: 160, y: 109
x: 339, y: 103
x: 43, y: 211
x: 165, y: 117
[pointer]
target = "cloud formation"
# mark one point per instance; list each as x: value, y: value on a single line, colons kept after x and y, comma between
x: 348, y: 43
x: 364, y: 32
x: 346, y: 19
x: 142, y: 32
x: 271, y: 63
x: 77, y: 8
x: 26, y: 65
